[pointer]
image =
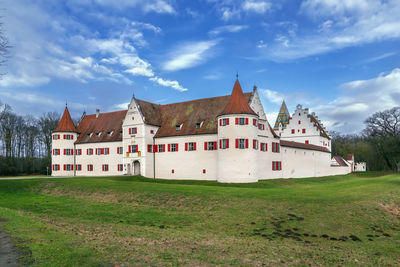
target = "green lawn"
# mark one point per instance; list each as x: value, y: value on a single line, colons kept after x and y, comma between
x: 125, y: 221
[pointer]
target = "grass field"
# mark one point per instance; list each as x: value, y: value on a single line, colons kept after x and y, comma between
x: 343, y: 220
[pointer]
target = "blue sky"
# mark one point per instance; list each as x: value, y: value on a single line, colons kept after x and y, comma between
x: 340, y: 58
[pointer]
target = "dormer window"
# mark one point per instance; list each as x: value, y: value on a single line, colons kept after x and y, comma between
x: 199, y: 124
x: 98, y: 134
x: 178, y: 127
x: 110, y: 133
x: 120, y: 133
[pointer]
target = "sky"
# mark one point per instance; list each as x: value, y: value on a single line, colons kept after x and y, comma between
x: 340, y: 58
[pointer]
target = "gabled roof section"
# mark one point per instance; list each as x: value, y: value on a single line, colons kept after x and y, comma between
x: 283, y: 117
x: 341, y: 162
x: 151, y: 112
x: 321, y: 129
x: 105, y: 128
x: 66, y: 124
x: 303, y: 146
x: 237, y: 103
x: 188, y: 114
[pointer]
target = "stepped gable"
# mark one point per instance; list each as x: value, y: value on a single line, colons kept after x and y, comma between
x: 283, y: 117
x: 321, y: 129
x: 237, y: 104
x: 105, y: 124
x: 66, y: 124
x: 303, y: 146
x: 189, y: 113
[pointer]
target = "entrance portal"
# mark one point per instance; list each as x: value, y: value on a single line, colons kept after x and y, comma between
x: 136, y: 168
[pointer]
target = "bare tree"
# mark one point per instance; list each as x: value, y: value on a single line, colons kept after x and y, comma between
x: 47, y: 123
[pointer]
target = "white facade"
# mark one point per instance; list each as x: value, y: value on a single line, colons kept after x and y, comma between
x: 360, y: 167
x: 237, y: 153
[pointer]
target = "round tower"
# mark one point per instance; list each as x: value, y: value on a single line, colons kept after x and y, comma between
x: 237, y: 140
x: 63, y: 148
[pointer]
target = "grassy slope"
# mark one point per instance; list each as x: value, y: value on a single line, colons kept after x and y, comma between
x: 130, y: 220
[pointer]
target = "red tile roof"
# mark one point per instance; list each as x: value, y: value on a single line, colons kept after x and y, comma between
x: 237, y: 103
x: 340, y: 161
x: 189, y: 113
x: 303, y: 146
x: 66, y: 124
x: 109, y: 125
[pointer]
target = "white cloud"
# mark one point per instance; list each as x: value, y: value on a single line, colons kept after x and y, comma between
x: 380, y: 57
x: 146, y: 26
x: 121, y: 106
x: 214, y: 76
x: 189, y: 55
x: 256, y: 6
x: 157, y: 6
x: 272, y: 96
x: 169, y: 83
x: 360, y: 100
x: 227, y: 28
x: 340, y: 24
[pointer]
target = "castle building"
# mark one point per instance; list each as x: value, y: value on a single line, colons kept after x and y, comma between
x: 224, y: 139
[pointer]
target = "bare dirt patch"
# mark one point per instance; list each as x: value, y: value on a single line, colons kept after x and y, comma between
x: 8, y: 251
x: 393, y: 209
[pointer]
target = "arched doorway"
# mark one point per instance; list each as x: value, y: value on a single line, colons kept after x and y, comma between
x: 136, y: 168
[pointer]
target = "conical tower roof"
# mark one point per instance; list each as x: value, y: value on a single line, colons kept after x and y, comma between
x: 283, y: 117
x: 237, y: 103
x: 66, y: 124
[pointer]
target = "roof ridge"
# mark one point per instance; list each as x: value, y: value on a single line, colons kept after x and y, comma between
x: 237, y: 103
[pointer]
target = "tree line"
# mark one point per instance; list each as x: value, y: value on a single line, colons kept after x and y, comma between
x: 25, y: 142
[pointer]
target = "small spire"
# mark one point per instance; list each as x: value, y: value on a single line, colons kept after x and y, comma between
x: 254, y: 87
x: 237, y: 76
x: 66, y: 104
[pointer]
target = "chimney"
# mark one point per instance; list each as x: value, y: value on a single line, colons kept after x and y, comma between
x: 97, y: 113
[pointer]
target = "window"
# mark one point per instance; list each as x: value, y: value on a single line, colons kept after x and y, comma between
x: 56, y: 167
x: 255, y: 144
x: 68, y: 167
x: 106, y: 151
x: 90, y: 167
x: 89, y: 151
x: 204, y: 170
x: 191, y: 146
x: 242, y: 143
x: 178, y: 127
x: 78, y: 167
x: 292, y: 131
x: 224, y: 143
x: 224, y: 122
x: 120, y: 168
x: 119, y: 150
x: 276, y: 165
x: 56, y: 152
x: 109, y: 133
x: 307, y: 142
x: 275, y: 147
x: 255, y: 122
x: 242, y: 121
x: 149, y: 148
x: 198, y: 125
x: 299, y: 122
x: 133, y: 130
x: 172, y: 147
x: 151, y: 131
x: 98, y: 134
x: 105, y: 167
x: 133, y: 148
x: 261, y: 126
x: 68, y: 152
x: 303, y: 131
x: 172, y: 171
x: 161, y: 148
x: 120, y: 133
x: 210, y: 145
x: 264, y: 147
x: 78, y: 152
x: 68, y: 137
x: 56, y: 137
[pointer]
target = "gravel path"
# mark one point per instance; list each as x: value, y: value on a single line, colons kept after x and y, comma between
x: 8, y: 251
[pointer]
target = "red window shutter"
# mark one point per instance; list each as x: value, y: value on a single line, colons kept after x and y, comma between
x: 129, y: 149
x: 177, y: 147
x: 173, y: 171
x: 194, y: 146
x: 220, y: 143
x: 280, y: 165
x: 263, y: 127
x: 204, y: 170
x: 247, y: 121
x: 148, y: 149
x: 220, y: 122
x: 130, y: 130
x: 53, y: 152
x: 299, y: 122
x: 155, y: 148
x: 72, y: 151
x: 65, y: 167
x: 186, y: 146
x: 237, y: 120
x: 215, y: 145
x: 237, y: 143
x: 304, y: 130
x: 163, y: 147
x: 87, y: 151
x: 227, y: 121
x: 72, y: 137
x: 266, y: 146
x: 254, y: 143
x: 227, y: 143
x: 273, y: 165
x: 169, y: 147
x: 292, y: 131
x: 117, y: 150
x: 135, y: 130
x: 65, y: 151
x: 205, y: 145
x: 72, y: 167
x: 247, y: 143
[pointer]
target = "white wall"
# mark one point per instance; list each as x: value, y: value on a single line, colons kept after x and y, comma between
x: 63, y: 159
